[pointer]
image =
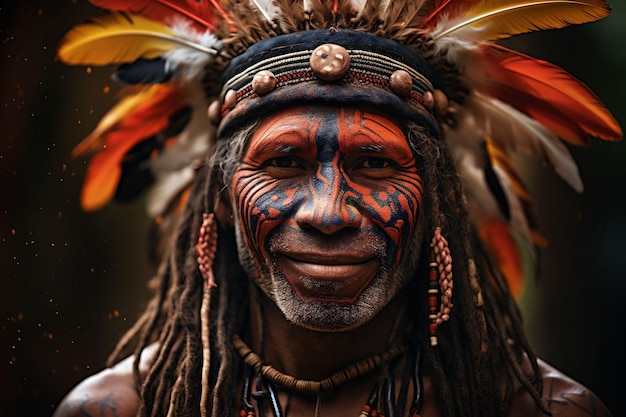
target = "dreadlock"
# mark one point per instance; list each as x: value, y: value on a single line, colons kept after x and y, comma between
x: 482, y: 345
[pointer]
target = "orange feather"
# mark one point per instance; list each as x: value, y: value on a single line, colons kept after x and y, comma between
x: 501, y: 245
x: 202, y: 15
x: 549, y: 95
x: 149, y: 117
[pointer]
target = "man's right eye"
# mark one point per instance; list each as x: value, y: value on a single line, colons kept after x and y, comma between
x: 283, y: 162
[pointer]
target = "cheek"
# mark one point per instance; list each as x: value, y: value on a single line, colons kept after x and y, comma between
x: 394, y: 206
x: 262, y: 205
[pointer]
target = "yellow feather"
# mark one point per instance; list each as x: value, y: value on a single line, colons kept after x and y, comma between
x: 118, y: 38
x: 500, y: 19
x: 135, y: 97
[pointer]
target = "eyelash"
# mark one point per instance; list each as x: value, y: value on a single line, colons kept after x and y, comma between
x: 275, y: 162
x: 367, y: 161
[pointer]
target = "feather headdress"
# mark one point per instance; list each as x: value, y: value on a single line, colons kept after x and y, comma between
x: 489, y: 102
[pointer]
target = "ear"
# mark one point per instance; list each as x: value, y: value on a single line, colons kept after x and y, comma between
x: 223, y: 208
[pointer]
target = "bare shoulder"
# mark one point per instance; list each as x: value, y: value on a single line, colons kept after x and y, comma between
x: 110, y: 392
x: 566, y: 397
x: 562, y: 395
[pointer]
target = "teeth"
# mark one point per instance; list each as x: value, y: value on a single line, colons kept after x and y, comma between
x: 325, y: 286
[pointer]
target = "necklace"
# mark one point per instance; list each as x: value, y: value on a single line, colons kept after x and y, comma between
x: 314, y: 387
x: 381, y: 394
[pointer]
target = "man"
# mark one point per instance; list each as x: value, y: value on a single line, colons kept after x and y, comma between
x: 330, y: 260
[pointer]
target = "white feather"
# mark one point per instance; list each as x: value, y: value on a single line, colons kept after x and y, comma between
x: 358, y: 5
x: 189, y: 63
x: 383, y: 6
x: 268, y: 9
x: 465, y: 143
x: 515, y: 132
x: 456, y: 43
x: 167, y: 187
x: 466, y: 146
x: 174, y: 168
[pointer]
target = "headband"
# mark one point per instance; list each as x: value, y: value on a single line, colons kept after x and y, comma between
x: 328, y: 67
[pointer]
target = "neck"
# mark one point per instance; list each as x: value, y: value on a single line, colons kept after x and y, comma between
x: 315, y: 355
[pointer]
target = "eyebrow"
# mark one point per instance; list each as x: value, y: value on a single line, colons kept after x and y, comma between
x: 372, y: 148
x: 275, y: 146
x: 287, y: 148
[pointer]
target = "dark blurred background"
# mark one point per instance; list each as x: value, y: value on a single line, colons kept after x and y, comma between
x: 72, y: 282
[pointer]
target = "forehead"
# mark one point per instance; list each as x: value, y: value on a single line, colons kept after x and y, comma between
x: 310, y: 127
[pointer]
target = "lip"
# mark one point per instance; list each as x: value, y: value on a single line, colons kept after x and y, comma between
x: 335, y: 277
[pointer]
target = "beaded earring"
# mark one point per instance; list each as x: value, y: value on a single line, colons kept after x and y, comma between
x: 205, y: 252
x: 440, y: 285
x: 206, y: 247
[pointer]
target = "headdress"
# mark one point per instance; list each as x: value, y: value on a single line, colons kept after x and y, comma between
x: 431, y: 61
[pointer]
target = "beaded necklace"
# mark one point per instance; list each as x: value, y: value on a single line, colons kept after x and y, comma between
x: 381, y: 397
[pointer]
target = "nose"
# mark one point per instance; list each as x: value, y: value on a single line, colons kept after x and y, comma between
x: 331, y: 205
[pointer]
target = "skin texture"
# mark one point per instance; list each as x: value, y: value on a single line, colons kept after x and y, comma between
x: 111, y: 393
x: 312, y: 190
x: 327, y: 201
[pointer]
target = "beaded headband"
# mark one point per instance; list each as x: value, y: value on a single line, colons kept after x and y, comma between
x: 340, y: 67
x: 434, y: 62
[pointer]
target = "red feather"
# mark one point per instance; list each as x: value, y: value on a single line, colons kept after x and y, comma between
x: 202, y: 15
x: 449, y: 8
x: 501, y: 245
x: 549, y: 95
x: 147, y: 119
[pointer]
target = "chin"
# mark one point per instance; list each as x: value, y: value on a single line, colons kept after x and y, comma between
x: 334, y: 316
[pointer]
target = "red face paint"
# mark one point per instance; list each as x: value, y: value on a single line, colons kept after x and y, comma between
x: 327, y: 198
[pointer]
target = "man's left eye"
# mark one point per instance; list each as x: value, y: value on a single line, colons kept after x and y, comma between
x: 375, y: 163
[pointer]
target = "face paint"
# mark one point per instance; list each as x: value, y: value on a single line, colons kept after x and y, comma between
x: 327, y: 201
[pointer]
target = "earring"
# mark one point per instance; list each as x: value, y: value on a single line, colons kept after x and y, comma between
x: 205, y: 253
x: 440, y: 284
x: 206, y: 247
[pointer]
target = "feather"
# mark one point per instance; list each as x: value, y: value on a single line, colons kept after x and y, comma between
x: 403, y: 17
x: 118, y: 38
x: 487, y: 219
x: 137, y: 174
x: 190, y: 63
x: 268, y: 9
x: 513, y: 132
x: 202, y: 15
x: 134, y: 98
x: 521, y: 213
x: 506, y: 228
x: 176, y: 164
x: 358, y: 6
x: 291, y: 15
x: 135, y: 119
x: 515, y: 260
x: 445, y: 8
x: 549, y: 95
x: 499, y: 19
x: 143, y: 71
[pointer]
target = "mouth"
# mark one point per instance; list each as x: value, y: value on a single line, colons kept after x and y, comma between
x: 330, y: 277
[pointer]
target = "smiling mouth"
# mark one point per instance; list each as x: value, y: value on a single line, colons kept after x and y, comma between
x: 323, y: 277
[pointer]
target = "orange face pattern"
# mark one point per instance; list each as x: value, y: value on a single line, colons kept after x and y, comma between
x: 327, y: 197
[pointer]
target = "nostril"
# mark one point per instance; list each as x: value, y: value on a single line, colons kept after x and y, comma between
x: 328, y: 216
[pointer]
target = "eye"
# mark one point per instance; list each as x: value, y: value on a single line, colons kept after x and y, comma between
x: 284, y: 167
x: 373, y: 167
x: 283, y: 162
x: 375, y: 163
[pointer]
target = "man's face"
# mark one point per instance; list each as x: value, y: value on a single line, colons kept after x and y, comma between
x: 327, y: 201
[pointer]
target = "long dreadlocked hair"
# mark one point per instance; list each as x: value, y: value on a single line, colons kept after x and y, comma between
x: 481, y: 346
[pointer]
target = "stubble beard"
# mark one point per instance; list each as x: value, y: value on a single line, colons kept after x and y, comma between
x: 330, y: 316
